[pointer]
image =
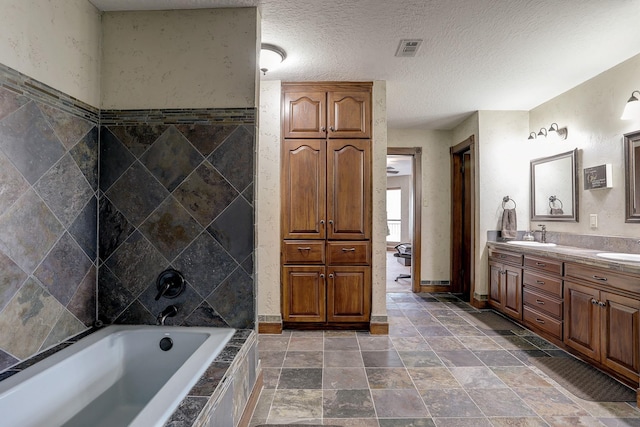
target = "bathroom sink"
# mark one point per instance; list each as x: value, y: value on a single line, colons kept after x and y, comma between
x: 617, y: 256
x: 530, y: 243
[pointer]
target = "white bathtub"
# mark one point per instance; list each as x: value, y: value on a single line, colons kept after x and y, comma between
x: 117, y: 376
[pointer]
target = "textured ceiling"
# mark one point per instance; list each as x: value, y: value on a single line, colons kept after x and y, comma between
x: 476, y: 54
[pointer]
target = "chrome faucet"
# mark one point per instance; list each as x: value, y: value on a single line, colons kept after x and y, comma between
x: 543, y: 233
x: 170, y: 311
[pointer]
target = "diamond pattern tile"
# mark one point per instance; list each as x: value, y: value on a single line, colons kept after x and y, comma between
x: 170, y: 228
x: 10, y: 281
x: 234, y: 300
x: 29, y: 142
x: 10, y: 102
x: 137, y: 193
x: 233, y: 229
x: 12, y: 183
x: 114, y: 228
x: 171, y: 158
x: 235, y: 158
x: 65, y: 190
x: 85, y: 154
x: 114, y: 158
x: 67, y: 127
x: 84, y: 228
x: 138, y: 138
x: 205, y: 194
x: 206, y: 138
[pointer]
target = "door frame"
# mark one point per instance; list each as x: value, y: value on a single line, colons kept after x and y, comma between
x: 457, y: 244
x: 416, y: 182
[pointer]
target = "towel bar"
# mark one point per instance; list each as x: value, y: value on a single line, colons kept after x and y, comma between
x: 507, y: 199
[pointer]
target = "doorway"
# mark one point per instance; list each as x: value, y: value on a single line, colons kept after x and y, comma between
x: 463, y: 166
x: 404, y: 199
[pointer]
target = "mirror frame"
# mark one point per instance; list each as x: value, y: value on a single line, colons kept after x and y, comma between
x: 629, y: 184
x: 573, y: 155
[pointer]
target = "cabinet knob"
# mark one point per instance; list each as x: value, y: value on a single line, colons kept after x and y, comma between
x: 322, y: 222
x: 322, y: 276
x: 331, y: 276
x: 602, y: 303
x: 323, y: 129
x: 332, y: 129
x: 593, y: 301
x: 331, y: 222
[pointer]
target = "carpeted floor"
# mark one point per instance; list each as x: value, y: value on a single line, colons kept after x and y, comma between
x: 583, y: 380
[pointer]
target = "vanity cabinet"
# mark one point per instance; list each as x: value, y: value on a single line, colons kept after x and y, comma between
x: 326, y: 205
x: 505, y: 282
x: 543, y: 304
x: 602, y: 317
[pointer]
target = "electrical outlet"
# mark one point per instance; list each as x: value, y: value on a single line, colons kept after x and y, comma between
x: 593, y: 220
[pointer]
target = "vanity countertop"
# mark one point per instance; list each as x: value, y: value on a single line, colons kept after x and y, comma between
x: 571, y: 254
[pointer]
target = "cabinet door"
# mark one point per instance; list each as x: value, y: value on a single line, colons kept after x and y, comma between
x: 349, y: 114
x: 582, y: 319
x: 303, y: 189
x: 304, y: 115
x: 348, y: 294
x: 495, y: 291
x: 620, y: 334
x: 349, y: 189
x: 512, y: 292
x: 303, y: 294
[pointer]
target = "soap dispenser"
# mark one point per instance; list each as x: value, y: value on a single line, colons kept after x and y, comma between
x: 528, y: 236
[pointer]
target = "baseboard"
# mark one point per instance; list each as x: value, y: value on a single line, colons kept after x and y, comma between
x: 252, y: 402
x: 269, y: 328
x: 435, y: 288
x: 379, y: 328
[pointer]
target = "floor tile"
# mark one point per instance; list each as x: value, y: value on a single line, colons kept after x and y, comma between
x: 303, y: 359
x: 410, y: 343
x: 497, y: 358
x: 348, y: 404
x: 368, y: 343
x: 337, y: 359
x: 405, y: 403
x: 344, y: 379
x: 420, y: 359
x: 459, y: 358
x: 379, y: 359
x: 406, y: 422
x: 462, y: 422
x: 450, y: 402
x: 477, y: 377
x: 548, y: 402
x: 290, y: 406
x: 306, y: 343
x: 343, y: 343
x: 300, y: 378
x: 519, y: 376
x: 395, y: 378
x: 500, y: 402
x: 428, y: 378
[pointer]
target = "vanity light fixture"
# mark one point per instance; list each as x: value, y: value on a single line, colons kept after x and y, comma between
x: 632, y: 108
x: 556, y: 133
x: 532, y: 135
x: 543, y: 132
x: 271, y: 56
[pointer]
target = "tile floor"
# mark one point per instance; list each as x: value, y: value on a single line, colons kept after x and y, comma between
x: 434, y: 369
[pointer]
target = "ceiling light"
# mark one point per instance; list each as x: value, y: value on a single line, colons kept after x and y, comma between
x: 270, y: 57
x: 632, y: 108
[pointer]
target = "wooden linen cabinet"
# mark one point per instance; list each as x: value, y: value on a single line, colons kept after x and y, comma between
x: 326, y: 205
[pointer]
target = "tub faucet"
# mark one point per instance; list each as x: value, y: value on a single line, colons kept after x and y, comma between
x: 543, y: 233
x: 170, y: 311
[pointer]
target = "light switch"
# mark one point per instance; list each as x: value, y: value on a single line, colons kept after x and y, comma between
x: 593, y: 220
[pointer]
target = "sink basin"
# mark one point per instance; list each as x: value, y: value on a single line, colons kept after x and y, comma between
x: 617, y: 256
x: 530, y: 243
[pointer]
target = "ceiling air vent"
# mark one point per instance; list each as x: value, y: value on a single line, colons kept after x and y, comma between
x: 408, y: 47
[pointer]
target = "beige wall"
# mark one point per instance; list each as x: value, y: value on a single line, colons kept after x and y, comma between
x: 436, y: 200
x: 268, y: 202
x: 203, y: 58
x: 55, y: 42
x: 591, y: 111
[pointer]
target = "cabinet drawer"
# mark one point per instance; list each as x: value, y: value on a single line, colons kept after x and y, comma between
x: 544, y: 283
x: 545, y: 304
x: 543, y: 264
x: 504, y: 256
x: 303, y: 252
x: 537, y: 320
x: 348, y: 253
x: 603, y: 277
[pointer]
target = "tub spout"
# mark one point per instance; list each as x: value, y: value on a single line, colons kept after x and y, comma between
x: 170, y: 311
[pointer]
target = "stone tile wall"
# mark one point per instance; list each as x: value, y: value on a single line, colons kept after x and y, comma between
x: 176, y: 191
x: 48, y: 211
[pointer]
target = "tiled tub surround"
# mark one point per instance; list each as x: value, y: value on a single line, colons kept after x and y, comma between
x: 176, y: 191
x: 220, y: 395
x: 48, y: 211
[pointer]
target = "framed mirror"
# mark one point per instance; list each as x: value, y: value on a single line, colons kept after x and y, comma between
x: 554, y: 188
x: 632, y: 176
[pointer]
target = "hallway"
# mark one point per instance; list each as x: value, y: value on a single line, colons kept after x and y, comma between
x: 436, y: 368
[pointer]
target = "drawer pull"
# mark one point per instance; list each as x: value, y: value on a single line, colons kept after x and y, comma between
x: 602, y: 279
x: 540, y: 282
x: 348, y: 249
x: 540, y: 321
x: 541, y: 264
x: 539, y: 302
x: 304, y: 249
